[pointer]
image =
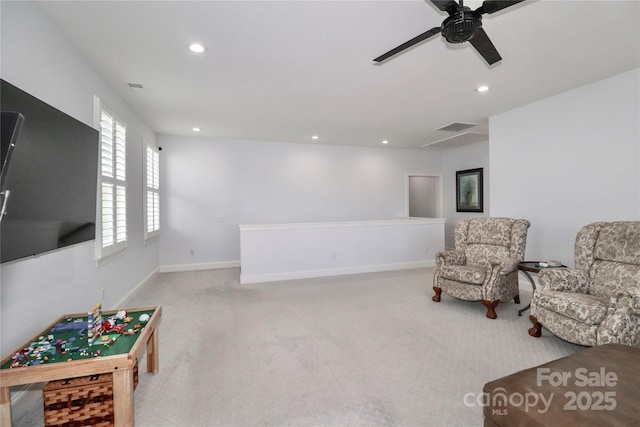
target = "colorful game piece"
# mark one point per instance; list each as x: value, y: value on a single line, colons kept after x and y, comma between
x: 94, y: 323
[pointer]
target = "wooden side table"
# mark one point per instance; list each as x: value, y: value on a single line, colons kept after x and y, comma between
x: 531, y: 267
x: 118, y: 359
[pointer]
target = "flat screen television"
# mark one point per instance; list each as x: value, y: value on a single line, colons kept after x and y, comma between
x: 49, y: 177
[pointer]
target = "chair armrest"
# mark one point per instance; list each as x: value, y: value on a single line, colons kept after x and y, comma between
x: 627, y: 299
x: 565, y: 279
x: 451, y: 258
x: 506, y: 264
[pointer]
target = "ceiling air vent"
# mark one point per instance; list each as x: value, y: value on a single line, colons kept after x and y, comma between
x: 136, y: 86
x: 457, y: 126
x: 458, y: 140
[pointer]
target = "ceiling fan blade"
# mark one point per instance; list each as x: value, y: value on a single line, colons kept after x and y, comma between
x: 406, y: 45
x: 492, y: 6
x: 484, y: 47
x: 449, y: 6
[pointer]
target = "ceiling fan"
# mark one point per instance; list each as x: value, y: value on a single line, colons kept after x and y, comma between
x: 462, y: 25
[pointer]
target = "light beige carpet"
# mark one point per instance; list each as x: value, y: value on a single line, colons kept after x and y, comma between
x: 360, y: 350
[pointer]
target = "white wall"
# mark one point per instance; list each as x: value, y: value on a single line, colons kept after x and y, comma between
x: 273, y: 252
x: 461, y: 158
x: 209, y: 187
x: 567, y: 161
x: 36, y: 57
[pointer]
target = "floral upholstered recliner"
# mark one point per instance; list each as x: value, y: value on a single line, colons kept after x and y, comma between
x: 484, y: 265
x: 598, y: 301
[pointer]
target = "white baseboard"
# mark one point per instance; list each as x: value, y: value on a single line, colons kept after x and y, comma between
x: 199, y: 266
x: 122, y: 300
x: 291, y: 275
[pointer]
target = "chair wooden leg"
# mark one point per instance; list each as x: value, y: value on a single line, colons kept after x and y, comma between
x: 536, y: 330
x: 516, y: 299
x: 436, y: 297
x: 491, y: 306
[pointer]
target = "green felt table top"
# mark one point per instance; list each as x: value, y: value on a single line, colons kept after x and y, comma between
x: 67, y: 341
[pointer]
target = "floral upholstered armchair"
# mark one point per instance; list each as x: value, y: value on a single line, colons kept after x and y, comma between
x: 484, y: 265
x: 598, y: 301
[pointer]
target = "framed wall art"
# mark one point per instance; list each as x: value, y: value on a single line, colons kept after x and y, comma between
x: 469, y: 190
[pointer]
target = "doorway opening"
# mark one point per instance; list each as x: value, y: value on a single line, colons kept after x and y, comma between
x: 424, y: 195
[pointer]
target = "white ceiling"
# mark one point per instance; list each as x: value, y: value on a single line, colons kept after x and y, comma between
x: 287, y: 70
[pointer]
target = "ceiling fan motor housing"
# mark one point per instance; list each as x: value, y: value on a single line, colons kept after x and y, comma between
x: 461, y: 26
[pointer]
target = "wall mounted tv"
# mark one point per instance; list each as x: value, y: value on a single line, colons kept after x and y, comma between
x: 49, y: 177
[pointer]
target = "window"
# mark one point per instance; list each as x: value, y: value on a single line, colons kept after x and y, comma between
x: 112, y: 207
x: 152, y: 192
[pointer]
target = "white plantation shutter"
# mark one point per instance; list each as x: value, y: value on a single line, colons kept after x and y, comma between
x: 152, y: 192
x: 120, y: 151
x: 107, y: 215
x: 112, y: 236
x: 121, y: 214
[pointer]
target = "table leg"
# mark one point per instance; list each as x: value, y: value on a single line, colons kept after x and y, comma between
x: 5, y: 406
x: 152, y: 353
x: 123, y: 407
x: 533, y: 285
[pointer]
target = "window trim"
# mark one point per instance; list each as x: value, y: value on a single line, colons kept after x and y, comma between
x: 104, y: 253
x: 153, y: 188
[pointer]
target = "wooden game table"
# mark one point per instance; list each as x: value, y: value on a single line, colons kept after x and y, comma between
x: 118, y: 359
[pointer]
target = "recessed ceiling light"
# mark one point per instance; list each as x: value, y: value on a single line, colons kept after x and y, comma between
x: 196, y: 47
x: 482, y: 88
x: 314, y: 137
x: 385, y: 142
x: 196, y: 129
